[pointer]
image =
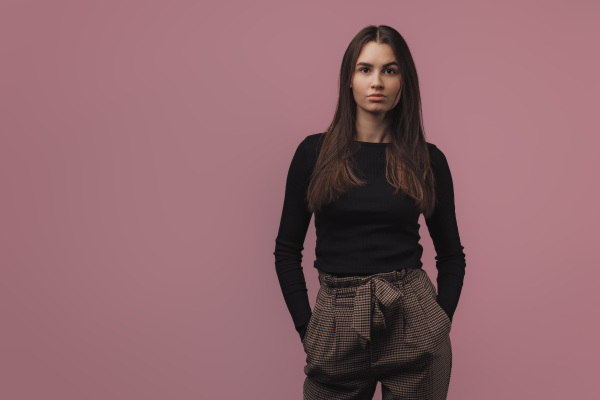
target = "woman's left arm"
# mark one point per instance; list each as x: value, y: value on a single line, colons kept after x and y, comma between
x: 443, y: 229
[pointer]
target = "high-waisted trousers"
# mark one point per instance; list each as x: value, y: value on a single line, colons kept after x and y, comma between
x: 385, y: 327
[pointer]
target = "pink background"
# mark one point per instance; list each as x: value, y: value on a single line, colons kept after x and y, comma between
x: 143, y: 153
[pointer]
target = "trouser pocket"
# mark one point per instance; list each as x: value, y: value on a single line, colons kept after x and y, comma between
x: 319, y: 338
x: 438, y: 321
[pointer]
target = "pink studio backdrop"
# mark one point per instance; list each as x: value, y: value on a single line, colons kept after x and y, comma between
x: 143, y: 153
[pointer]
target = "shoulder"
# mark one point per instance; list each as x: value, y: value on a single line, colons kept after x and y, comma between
x: 312, y: 145
x: 436, y: 155
x: 306, y: 153
x: 313, y: 140
x: 434, y: 151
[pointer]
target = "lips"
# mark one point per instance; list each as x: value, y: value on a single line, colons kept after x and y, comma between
x: 378, y: 96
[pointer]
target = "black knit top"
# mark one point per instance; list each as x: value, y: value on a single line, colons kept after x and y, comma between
x: 367, y: 230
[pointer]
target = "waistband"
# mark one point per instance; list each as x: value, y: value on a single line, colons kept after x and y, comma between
x: 405, y: 275
x: 374, y: 296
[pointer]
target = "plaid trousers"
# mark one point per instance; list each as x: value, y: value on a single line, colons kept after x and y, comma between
x: 386, y: 327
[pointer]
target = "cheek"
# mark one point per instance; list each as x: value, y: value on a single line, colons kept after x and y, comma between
x: 359, y: 83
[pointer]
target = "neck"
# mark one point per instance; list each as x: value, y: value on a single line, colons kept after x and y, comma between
x: 371, y: 127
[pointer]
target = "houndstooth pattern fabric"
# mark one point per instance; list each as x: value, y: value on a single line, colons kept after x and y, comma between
x: 385, y: 327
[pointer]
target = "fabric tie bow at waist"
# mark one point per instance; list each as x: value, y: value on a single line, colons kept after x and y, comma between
x: 371, y: 299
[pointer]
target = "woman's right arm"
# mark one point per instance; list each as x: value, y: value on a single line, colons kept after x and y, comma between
x: 295, y: 218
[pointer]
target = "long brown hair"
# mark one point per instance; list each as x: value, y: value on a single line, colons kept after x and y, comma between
x: 407, y: 157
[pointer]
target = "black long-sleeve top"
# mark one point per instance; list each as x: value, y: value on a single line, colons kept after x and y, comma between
x: 367, y: 230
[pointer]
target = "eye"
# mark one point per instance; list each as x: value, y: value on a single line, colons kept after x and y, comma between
x: 393, y: 71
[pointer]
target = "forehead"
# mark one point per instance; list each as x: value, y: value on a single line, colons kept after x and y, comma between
x: 377, y: 54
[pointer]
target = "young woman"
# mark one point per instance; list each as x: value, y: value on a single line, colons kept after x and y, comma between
x: 377, y: 317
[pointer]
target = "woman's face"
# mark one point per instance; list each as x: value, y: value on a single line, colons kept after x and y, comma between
x: 376, y: 72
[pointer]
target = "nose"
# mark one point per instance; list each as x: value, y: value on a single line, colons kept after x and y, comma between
x: 377, y: 82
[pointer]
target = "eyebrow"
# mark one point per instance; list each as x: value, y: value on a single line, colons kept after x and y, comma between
x: 384, y: 65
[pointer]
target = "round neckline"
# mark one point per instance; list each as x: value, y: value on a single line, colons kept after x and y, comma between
x: 383, y: 144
